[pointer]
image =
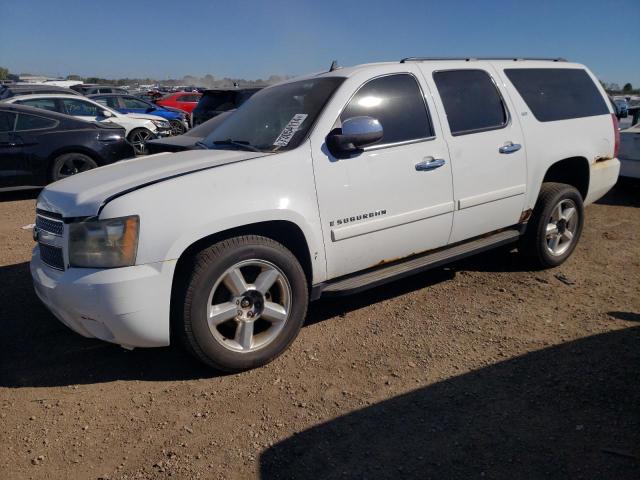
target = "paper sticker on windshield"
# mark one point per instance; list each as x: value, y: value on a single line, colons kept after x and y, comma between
x: 290, y: 130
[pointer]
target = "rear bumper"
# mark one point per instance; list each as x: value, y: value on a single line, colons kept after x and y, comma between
x: 127, y: 306
x: 604, y: 175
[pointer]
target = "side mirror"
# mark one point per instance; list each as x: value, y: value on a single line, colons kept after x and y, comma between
x: 151, y: 109
x: 356, y: 133
x: 107, y: 114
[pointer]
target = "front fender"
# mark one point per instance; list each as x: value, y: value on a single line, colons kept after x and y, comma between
x: 177, y: 212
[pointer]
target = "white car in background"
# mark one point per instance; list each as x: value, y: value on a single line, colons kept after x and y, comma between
x: 139, y: 127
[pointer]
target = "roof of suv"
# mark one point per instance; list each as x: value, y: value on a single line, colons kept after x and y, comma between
x: 20, y: 89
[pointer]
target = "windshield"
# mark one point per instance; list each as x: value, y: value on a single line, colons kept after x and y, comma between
x: 276, y: 118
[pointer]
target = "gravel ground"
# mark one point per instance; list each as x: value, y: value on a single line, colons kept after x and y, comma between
x: 483, y: 369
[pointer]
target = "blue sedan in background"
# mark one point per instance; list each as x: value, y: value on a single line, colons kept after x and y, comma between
x: 125, y: 103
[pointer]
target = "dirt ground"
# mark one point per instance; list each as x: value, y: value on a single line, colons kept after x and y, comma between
x: 483, y: 369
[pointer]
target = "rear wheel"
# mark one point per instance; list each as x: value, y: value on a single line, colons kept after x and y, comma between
x: 70, y: 164
x: 245, y: 302
x: 555, y: 226
x: 138, y: 139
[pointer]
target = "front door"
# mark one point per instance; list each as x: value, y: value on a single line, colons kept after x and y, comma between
x: 390, y: 200
x: 9, y: 150
x: 486, y: 145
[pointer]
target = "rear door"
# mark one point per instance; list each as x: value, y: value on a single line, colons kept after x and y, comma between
x: 81, y: 109
x: 380, y: 204
x: 486, y: 146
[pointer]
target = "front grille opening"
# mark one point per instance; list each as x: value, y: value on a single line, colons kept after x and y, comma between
x: 49, y: 225
x: 51, y: 256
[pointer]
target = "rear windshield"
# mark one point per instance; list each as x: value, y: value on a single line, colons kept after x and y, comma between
x: 558, y: 93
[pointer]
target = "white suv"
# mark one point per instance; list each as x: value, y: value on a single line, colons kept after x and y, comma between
x: 325, y: 185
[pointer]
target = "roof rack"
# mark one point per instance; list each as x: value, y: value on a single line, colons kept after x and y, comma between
x: 469, y: 59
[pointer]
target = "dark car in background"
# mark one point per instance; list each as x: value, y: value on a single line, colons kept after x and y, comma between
x: 92, y: 89
x: 189, y: 140
x: 15, y: 90
x: 214, y: 102
x: 131, y: 104
x: 39, y: 146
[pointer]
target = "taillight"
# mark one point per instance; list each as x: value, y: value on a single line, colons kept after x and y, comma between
x: 616, y: 134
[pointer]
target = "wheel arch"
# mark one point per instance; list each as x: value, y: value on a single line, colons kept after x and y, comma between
x: 573, y: 171
x: 285, y: 232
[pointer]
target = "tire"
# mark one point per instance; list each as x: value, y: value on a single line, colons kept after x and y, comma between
x: 69, y: 164
x: 177, y: 127
x: 138, y: 138
x: 212, y: 286
x: 558, y: 214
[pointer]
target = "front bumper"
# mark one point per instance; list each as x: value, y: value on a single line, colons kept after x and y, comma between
x: 163, y: 132
x: 128, y: 306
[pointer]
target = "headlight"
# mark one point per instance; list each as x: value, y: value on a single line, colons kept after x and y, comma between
x: 161, y: 123
x: 104, y: 243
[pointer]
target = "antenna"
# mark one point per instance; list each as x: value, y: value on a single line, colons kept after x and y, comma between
x: 334, y: 66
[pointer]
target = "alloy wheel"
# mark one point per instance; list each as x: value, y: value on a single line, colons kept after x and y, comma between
x: 249, y: 305
x: 72, y: 166
x: 139, y: 140
x: 561, y: 227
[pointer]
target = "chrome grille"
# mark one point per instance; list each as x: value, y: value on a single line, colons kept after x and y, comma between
x: 51, y: 256
x: 49, y: 232
x: 49, y: 225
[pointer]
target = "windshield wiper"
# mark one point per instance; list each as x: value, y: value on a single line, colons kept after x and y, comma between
x: 201, y: 144
x: 237, y: 143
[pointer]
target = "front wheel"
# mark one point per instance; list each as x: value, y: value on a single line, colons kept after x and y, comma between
x: 555, y: 226
x: 138, y: 139
x: 245, y: 302
x: 177, y: 127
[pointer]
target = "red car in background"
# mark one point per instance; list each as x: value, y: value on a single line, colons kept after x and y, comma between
x: 186, y: 101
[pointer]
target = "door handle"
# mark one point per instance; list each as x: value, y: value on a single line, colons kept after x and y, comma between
x: 510, y: 147
x: 429, y: 163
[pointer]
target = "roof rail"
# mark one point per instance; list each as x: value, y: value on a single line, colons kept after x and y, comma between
x: 469, y: 59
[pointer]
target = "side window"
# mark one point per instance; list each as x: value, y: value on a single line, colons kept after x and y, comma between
x: 44, y: 103
x: 397, y: 102
x: 558, y: 93
x: 471, y: 101
x: 7, y: 120
x: 133, y: 103
x: 78, y: 108
x: 33, y: 122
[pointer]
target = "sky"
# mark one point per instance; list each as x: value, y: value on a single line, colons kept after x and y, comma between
x: 254, y: 39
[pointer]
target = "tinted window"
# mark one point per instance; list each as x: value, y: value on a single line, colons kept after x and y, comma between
x: 111, y: 102
x: 558, y: 93
x: 471, y: 101
x: 78, y: 108
x: 133, y: 103
x: 217, y: 101
x: 397, y: 102
x: 189, y: 98
x: 45, y: 103
x: 6, y: 121
x: 33, y: 122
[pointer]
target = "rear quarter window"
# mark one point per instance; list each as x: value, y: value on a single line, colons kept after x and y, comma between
x: 557, y: 93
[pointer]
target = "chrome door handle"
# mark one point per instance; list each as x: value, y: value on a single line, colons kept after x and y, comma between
x: 510, y: 147
x: 429, y: 163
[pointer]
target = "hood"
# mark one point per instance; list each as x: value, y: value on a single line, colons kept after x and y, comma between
x: 84, y: 194
x: 144, y: 116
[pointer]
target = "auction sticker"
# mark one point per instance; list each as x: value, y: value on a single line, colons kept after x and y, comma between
x: 290, y: 130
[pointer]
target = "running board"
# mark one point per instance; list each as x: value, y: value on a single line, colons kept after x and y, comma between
x: 378, y: 276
